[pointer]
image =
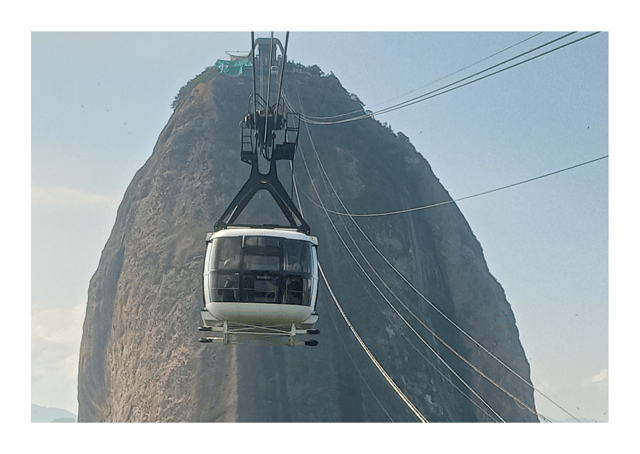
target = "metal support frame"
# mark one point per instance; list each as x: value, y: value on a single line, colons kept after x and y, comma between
x: 258, y: 181
x: 231, y: 333
x: 258, y: 138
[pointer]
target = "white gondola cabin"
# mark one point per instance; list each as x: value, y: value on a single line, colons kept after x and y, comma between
x: 261, y: 277
x: 260, y: 282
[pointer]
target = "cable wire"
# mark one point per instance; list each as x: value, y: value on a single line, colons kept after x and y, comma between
x: 374, y: 285
x: 428, y: 84
x: 415, y: 316
x: 415, y: 101
x: 386, y: 376
x: 435, y: 367
x: 366, y: 382
x: 446, y: 202
x: 468, y: 66
x: 375, y: 362
x: 433, y: 94
x: 403, y: 318
x: 436, y: 308
x: 433, y: 305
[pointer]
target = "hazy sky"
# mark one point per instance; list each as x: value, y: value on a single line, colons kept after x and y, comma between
x: 100, y: 100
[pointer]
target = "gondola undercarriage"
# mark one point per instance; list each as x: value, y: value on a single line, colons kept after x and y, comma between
x: 241, y: 333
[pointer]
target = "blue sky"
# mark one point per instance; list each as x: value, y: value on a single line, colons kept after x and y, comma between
x: 100, y: 100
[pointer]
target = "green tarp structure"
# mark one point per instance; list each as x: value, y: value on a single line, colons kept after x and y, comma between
x: 235, y: 68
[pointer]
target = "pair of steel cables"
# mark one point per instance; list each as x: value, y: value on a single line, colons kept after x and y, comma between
x: 264, y: 140
x: 473, y: 78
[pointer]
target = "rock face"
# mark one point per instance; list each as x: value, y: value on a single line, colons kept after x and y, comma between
x: 140, y: 358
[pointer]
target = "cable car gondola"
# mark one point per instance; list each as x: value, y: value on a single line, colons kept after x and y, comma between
x: 261, y: 280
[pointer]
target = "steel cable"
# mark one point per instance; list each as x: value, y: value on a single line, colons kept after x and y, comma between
x: 434, y: 93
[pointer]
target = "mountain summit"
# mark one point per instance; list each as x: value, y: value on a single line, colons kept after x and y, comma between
x: 140, y: 358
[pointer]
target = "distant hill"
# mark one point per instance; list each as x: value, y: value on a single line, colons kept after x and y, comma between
x: 45, y: 414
